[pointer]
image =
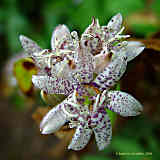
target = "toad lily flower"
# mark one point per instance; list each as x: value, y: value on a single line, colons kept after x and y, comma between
x: 63, y: 43
x: 83, y: 119
x: 62, y: 65
x: 104, y: 41
x: 82, y: 76
x: 88, y: 118
x: 69, y: 68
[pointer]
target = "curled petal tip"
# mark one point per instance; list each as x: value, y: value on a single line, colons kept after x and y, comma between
x: 139, y: 109
x: 42, y: 128
x: 43, y: 131
x: 69, y: 148
x: 133, y: 49
x: 138, y: 113
x: 119, y: 15
x: 22, y: 38
x: 46, y: 128
x: 93, y: 21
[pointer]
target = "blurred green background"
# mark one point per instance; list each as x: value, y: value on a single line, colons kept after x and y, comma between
x: 20, y: 136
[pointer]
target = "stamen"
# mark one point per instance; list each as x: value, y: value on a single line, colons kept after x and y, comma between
x: 62, y: 67
x: 122, y: 36
x: 121, y: 31
x: 97, y: 21
x: 74, y: 96
x: 74, y: 34
x: 103, y: 97
x: 96, y: 103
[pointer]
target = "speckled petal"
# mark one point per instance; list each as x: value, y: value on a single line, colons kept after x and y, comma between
x: 80, y: 138
x: 52, y: 85
x: 133, y: 49
x: 61, y: 37
x: 115, y: 23
x: 85, y: 66
x: 123, y: 103
x: 29, y: 46
x: 103, y: 132
x: 93, y: 27
x: 111, y: 74
x: 53, y: 120
x: 101, y: 62
x: 92, y: 37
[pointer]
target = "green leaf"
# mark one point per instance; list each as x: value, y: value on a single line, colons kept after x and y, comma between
x: 118, y: 87
x: 112, y: 116
x: 23, y: 70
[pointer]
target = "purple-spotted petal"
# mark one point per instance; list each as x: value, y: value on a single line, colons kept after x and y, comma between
x: 80, y: 138
x: 52, y: 85
x: 53, y: 120
x: 29, y: 46
x: 103, y: 132
x: 133, y: 49
x: 115, y: 23
x: 85, y: 66
x: 111, y: 74
x: 91, y: 38
x: 61, y: 38
x: 123, y: 103
x: 93, y: 28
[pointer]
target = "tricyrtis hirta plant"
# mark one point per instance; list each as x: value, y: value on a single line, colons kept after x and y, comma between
x: 85, y: 70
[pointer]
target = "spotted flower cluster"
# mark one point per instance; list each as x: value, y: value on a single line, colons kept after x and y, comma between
x: 85, y: 70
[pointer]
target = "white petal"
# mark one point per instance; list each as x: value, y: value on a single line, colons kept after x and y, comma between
x: 93, y: 27
x: 52, y: 85
x: 29, y: 46
x: 60, y: 36
x: 80, y: 138
x: 133, y: 49
x: 91, y: 38
x: 111, y: 74
x: 53, y: 120
x: 103, y: 132
x: 123, y: 103
x: 85, y: 66
x: 115, y: 23
x: 101, y: 61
